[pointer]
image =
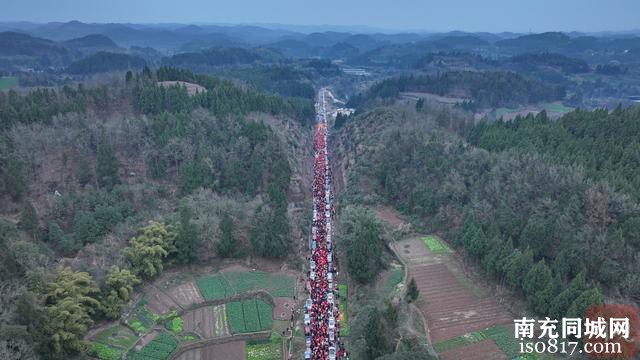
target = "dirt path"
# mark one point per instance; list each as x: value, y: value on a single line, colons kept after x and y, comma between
x: 452, y: 304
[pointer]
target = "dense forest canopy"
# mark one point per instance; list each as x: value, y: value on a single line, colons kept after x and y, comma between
x: 605, y: 143
x: 510, y: 209
x: 483, y: 89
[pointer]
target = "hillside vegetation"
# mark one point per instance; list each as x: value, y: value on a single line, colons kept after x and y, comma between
x: 117, y: 183
x: 545, y: 228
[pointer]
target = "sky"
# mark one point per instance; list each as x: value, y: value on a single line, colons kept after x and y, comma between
x: 427, y: 15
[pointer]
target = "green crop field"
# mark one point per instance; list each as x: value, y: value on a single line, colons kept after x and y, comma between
x: 265, y: 350
x: 214, y: 288
x: 249, y: 316
x: 117, y: 336
x: 557, y: 107
x: 142, y: 318
x: 8, y: 82
x: 235, y: 317
x: 265, y: 313
x: 434, y: 244
x: 106, y: 352
x: 159, y: 348
x: 225, y: 285
x: 176, y: 324
x: 501, y: 335
x: 278, y: 285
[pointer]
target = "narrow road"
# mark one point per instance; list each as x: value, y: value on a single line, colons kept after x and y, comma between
x: 321, y: 324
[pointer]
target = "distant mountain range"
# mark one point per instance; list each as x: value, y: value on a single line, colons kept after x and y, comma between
x: 56, y: 44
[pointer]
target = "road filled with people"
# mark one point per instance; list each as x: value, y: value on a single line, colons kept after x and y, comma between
x: 321, y: 314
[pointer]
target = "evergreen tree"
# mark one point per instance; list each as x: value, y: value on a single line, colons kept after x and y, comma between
x: 412, y: 291
x: 187, y: 241
x: 13, y: 177
x: 29, y: 219
x: 228, y: 245
x: 58, y: 238
x: 592, y: 296
x: 561, y: 303
x: 270, y: 233
x: 538, y: 287
x: 106, y: 164
x: 86, y: 228
x: 361, y: 232
x: 518, y: 266
x: 83, y: 172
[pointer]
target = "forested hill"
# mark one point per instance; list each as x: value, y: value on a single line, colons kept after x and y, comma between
x: 104, y: 188
x: 484, y: 89
x: 144, y: 94
x: 549, y: 231
x: 606, y: 144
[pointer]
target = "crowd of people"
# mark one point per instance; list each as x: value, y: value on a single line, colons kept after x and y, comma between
x: 321, y: 314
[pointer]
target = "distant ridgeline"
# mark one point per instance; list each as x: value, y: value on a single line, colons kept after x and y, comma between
x: 485, y: 89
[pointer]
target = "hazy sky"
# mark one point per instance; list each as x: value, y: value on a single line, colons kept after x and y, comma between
x: 470, y: 15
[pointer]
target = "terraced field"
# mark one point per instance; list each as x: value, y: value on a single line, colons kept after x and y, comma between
x: 452, y: 309
x: 249, y: 316
x: 208, y: 322
x: 465, y: 321
x: 112, y: 342
x: 228, y: 351
x: 228, y: 284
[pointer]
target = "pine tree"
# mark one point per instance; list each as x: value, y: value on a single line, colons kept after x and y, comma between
x: 419, y: 104
x: 13, y: 177
x: 29, y: 219
x: 86, y: 229
x: 83, y: 172
x: 227, y: 246
x: 561, y: 303
x: 579, y: 306
x: 518, y: 266
x: 538, y: 286
x: 412, y: 291
x: 187, y: 241
x: 106, y: 164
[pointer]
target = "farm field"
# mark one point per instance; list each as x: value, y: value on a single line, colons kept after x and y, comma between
x: 117, y: 336
x: 249, y: 316
x: 159, y: 302
x: 186, y: 295
x: 451, y: 308
x: 465, y: 322
x: 234, y: 350
x: 435, y: 245
x: 502, y: 336
x: 111, y: 343
x: 556, y: 107
x: 207, y: 322
x: 160, y: 348
x: 141, y: 320
x: 8, y: 82
x: 227, y: 284
x: 265, y: 350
